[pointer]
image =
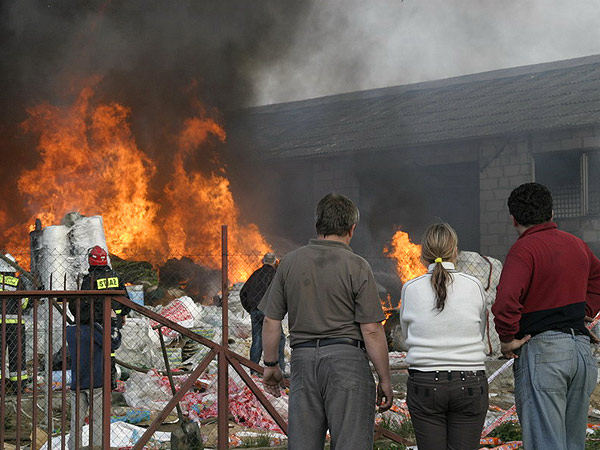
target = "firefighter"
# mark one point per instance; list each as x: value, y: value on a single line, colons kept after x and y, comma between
x: 10, y: 282
x: 100, y: 277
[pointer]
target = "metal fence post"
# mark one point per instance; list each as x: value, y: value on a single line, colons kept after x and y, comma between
x: 223, y: 372
x: 106, y: 385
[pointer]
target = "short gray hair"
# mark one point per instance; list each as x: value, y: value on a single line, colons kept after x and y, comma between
x: 335, y: 215
x: 269, y: 258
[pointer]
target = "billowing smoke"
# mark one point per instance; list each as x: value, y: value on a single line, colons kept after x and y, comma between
x: 352, y: 45
x: 158, y: 57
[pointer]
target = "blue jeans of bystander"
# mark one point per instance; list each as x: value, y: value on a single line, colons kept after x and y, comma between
x: 256, y: 348
x: 555, y: 375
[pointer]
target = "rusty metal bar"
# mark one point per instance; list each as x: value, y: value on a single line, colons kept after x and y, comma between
x: 3, y: 370
x: 65, y: 294
x: 222, y: 371
x: 63, y: 383
x: 391, y: 435
x: 35, y: 374
x: 106, y: 388
x: 176, y: 398
x: 168, y: 323
x: 78, y: 370
x: 91, y: 396
x: 48, y: 364
x: 19, y: 329
x: 63, y: 424
x: 258, y: 393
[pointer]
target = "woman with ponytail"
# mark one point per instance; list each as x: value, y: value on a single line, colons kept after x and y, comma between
x: 443, y: 323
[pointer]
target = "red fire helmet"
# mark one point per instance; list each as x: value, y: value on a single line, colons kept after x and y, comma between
x: 97, y: 256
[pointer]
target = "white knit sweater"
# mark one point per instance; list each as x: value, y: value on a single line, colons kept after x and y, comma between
x: 452, y: 339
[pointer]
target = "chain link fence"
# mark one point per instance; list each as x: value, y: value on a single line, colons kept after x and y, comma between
x: 188, y: 291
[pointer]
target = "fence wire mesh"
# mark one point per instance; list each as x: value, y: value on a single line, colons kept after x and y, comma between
x: 188, y: 291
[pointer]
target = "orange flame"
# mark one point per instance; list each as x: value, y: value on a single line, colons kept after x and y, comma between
x: 202, y: 203
x: 407, y: 256
x: 90, y: 163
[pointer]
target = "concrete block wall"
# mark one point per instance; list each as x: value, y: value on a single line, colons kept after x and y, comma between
x: 503, y: 165
x: 334, y: 176
x: 507, y: 163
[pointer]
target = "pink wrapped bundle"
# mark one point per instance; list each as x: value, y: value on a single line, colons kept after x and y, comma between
x: 490, y: 441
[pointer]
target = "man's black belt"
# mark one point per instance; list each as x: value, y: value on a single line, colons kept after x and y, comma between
x: 330, y: 341
x: 571, y: 331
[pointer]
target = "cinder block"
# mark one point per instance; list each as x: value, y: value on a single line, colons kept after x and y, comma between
x: 567, y: 144
x: 592, y: 141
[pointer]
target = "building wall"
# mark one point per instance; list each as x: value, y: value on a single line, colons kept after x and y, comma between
x: 507, y: 163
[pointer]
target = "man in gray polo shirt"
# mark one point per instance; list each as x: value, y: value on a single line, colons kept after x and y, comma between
x: 334, y: 315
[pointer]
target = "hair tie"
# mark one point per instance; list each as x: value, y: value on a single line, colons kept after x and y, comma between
x: 438, y: 260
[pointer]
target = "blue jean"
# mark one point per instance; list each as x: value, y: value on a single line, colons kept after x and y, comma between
x: 555, y: 375
x: 256, y: 348
x: 331, y: 387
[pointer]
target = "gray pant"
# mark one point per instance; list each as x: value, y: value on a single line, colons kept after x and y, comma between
x: 447, y: 409
x: 554, y: 378
x: 331, y: 388
x: 95, y: 417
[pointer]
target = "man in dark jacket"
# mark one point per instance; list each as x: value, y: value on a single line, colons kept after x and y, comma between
x: 89, y: 375
x: 251, y: 294
x: 100, y: 277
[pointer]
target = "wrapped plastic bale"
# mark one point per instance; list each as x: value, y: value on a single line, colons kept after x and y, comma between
x: 487, y: 270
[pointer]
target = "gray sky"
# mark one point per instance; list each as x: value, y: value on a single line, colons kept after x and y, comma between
x: 343, y: 46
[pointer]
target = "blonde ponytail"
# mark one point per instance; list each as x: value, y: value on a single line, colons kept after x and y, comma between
x: 439, y: 244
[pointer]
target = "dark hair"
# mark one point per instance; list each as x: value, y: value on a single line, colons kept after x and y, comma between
x: 335, y: 215
x: 530, y: 204
x: 439, y: 241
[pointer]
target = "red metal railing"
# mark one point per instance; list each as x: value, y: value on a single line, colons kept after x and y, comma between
x: 224, y: 355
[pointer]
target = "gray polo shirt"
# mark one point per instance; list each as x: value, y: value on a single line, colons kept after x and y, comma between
x: 326, y: 289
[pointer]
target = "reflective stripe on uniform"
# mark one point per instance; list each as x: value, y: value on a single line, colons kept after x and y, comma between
x: 105, y: 283
x: 12, y: 321
x: 25, y: 303
x: 9, y: 280
x: 118, y: 311
x: 112, y: 355
x: 16, y: 377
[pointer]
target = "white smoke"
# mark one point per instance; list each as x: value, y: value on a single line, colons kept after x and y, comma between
x: 350, y: 45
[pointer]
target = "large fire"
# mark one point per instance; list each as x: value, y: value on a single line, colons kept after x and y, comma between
x: 89, y: 162
x: 408, y: 264
x: 407, y: 256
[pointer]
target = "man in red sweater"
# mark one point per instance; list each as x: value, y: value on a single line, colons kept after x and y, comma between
x: 549, y: 284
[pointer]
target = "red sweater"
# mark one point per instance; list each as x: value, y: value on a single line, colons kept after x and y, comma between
x: 550, y: 280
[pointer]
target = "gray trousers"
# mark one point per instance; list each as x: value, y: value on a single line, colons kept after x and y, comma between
x: 95, y: 417
x: 331, y: 388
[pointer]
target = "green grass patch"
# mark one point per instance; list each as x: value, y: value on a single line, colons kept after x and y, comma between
x: 261, y: 440
x: 507, y: 431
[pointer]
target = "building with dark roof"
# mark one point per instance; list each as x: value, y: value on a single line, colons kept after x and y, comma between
x: 448, y: 149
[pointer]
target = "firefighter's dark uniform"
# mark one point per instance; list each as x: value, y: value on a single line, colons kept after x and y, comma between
x: 103, y: 278
x: 9, y: 282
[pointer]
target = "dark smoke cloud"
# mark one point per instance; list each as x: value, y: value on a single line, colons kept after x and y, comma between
x: 155, y: 57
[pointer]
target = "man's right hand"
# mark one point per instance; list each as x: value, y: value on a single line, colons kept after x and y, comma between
x: 384, y: 391
x: 508, y: 348
x: 273, y: 380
